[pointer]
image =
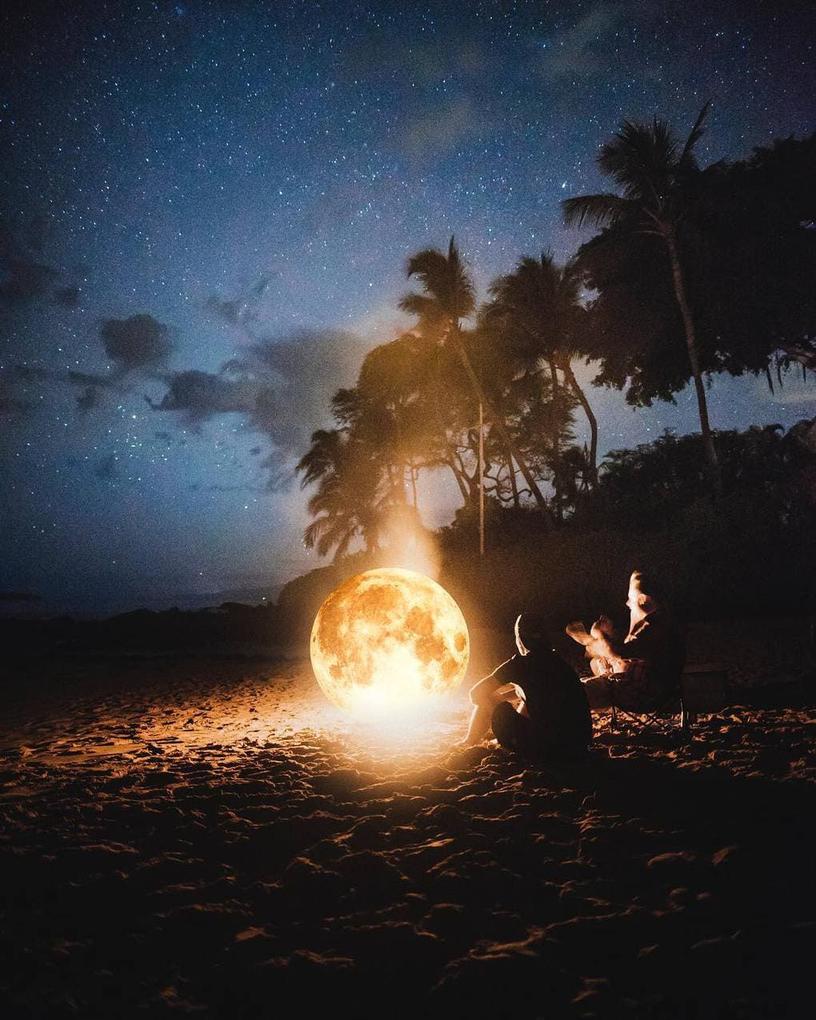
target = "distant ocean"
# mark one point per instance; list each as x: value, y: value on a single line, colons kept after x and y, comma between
x: 23, y: 605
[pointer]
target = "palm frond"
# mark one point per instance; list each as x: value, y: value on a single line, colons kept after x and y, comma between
x: 444, y: 279
x: 425, y: 308
x: 426, y: 263
x: 343, y: 543
x: 347, y: 405
x: 314, y: 530
x: 321, y: 457
x: 634, y: 149
x: 687, y: 155
x: 602, y: 210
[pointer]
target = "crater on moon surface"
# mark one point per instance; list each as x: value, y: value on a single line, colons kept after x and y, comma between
x: 388, y: 638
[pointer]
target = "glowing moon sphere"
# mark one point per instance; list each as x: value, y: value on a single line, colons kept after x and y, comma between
x: 388, y: 639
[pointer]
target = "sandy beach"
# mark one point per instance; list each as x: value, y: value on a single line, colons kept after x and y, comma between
x: 184, y: 836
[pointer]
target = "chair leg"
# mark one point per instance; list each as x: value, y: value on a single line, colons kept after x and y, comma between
x: 686, y: 719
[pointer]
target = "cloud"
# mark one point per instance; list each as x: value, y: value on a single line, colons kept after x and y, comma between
x: 439, y: 129
x: 298, y: 375
x: 582, y: 50
x: 11, y: 404
x: 68, y: 297
x: 24, y: 281
x: 242, y: 311
x: 25, y: 276
x: 138, y: 343
x: 106, y: 469
x: 217, y: 487
x: 88, y: 399
x: 281, y: 387
x: 229, y: 311
x: 31, y: 373
x: 92, y: 385
x: 201, y: 395
x: 438, y: 83
x: 383, y: 59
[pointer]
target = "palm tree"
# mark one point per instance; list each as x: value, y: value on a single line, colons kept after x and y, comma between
x: 447, y: 299
x: 391, y: 387
x: 349, y: 502
x: 540, y: 301
x: 654, y: 174
x: 397, y: 408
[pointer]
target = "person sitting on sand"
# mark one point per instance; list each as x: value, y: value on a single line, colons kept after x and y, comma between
x: 643, y: 669
x: 534, y: 702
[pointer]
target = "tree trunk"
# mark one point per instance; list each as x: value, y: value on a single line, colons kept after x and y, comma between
x: 463, y: 488
x: 593, y: 421
x: 481, y: 481
x: 499, y: 423
x: 511, y: 468
x: 691, y: 343
x: 396, y: 481
x: 556, y: 399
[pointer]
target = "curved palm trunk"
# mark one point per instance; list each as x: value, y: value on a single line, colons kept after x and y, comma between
x: 463, y: 487
x: 691, y: 343
x: 511, y: 469
x: 556, y: 399
x: 392, y: 482
x: 413, y: 471
x: 482, y: 470
x: 590, y: 414
x: 461, y: 477
x: 499, y: 423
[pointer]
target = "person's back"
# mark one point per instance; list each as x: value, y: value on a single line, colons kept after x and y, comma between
x: 555, y: 700
x: 659, y: 643
x: 553, y: 718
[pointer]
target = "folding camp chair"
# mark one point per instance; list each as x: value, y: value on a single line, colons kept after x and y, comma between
x: 703, y: 688
x: 661, y: 714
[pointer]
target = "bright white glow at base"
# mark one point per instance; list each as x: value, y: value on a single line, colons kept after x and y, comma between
x: 388, y: 644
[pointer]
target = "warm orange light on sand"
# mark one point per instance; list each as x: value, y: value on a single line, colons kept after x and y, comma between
x: 387, y: 643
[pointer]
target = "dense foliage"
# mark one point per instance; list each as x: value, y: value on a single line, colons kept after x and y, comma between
x: 694, y: 272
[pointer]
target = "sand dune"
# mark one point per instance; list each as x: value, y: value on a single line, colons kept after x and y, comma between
x: 184, y: 838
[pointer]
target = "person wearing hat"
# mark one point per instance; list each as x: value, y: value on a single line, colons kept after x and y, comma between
x: 643, y: 669
x: 534, y: 702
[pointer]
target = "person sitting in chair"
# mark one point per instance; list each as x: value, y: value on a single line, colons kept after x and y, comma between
x: 534, y: 702
x: 642, y: 670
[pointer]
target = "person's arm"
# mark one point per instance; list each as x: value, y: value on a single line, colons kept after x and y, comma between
x: 604, y: 642
x: 645, y: 642
x: 578, y: 632
x: 638, y: 649
x: 502, y: 672
x: 504, y: 675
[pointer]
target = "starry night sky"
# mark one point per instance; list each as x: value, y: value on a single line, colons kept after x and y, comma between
x: 186, y: 185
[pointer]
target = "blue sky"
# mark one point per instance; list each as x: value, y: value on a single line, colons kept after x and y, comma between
x: 243, y: 175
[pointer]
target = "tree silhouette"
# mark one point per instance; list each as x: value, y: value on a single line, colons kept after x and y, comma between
x: 396, y: 385
x: 694, y: 271
x: 750, y: 261
x: 757, y: 264
x: 391, y: 425
x: 350, y: 501
x: 520, y: 383
x: 447, y: 299
x: 656, y: 176
x: 540, y: 305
